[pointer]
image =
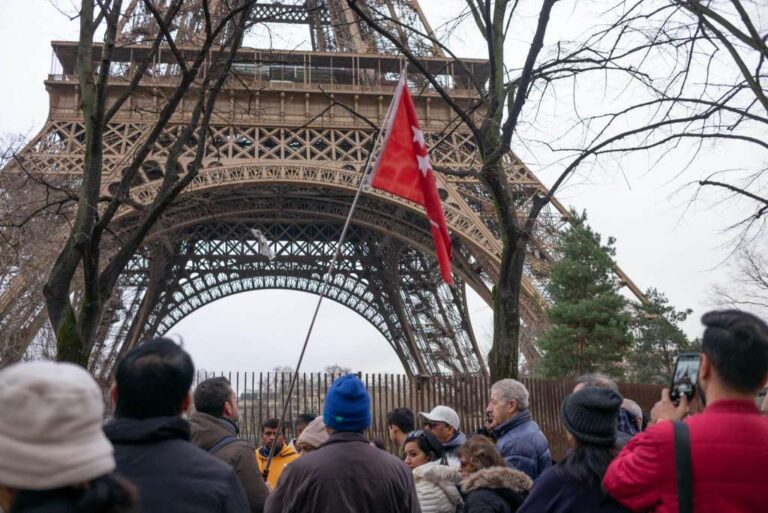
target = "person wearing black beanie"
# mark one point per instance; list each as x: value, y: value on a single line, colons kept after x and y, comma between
x: 574, y: 484
x: 590, y: 415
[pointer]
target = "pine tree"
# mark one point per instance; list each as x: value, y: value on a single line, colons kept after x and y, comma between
x: 658, y: 340
x: 589, y: 318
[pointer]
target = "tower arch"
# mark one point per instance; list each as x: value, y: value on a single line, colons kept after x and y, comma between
x: 292, y: 132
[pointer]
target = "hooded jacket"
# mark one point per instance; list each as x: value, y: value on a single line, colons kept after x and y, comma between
x: 171, y: 474
x: 522, y: 444
x: 345, y: 475
x: 279, y: 461
x: 437, y: 487
x: 495, y: 490
x: 451, y: 449
x: 208, y: 430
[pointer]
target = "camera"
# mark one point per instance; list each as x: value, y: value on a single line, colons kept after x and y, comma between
x: 685, y: 377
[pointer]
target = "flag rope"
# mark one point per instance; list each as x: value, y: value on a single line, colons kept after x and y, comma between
x: 327, y: 277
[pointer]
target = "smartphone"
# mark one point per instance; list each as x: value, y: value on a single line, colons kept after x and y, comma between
x: 685, y: 377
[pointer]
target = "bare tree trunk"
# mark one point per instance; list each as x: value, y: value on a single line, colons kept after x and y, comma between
x: 503, y: 358
x: 73, y: 334
x: 76, y: 324
x: 493, y: 139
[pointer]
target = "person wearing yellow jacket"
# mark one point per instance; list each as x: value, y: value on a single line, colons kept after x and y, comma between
x: 284, y: 454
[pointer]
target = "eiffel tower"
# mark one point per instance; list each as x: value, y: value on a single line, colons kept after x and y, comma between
x: 285, y: 159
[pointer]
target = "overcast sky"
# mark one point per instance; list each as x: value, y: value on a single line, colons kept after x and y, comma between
x: 663, y: 240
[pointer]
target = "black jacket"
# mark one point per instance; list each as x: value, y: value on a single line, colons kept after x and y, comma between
x: 102, y: 495
x: 495, y: 490
x: 171, y: 474
x: 48, y: 501
x: 345, y: 475
x: 555, y: 492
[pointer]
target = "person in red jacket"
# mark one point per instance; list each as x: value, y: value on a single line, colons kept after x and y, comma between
x: 728, y: 441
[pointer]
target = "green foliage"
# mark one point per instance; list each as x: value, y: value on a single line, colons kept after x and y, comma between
x: 658, y: 340
x: 589, y: 319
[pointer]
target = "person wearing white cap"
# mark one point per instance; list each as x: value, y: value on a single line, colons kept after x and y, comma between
x: 54, y: 457
x: 444, y: 424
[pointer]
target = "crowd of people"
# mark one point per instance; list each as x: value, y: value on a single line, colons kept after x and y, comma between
x: 166, y: 450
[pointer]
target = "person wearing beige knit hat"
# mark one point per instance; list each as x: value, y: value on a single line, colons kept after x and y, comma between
x: 54, y: 456
x: 313, y: 436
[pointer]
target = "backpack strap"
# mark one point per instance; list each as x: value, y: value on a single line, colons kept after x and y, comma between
x: 683, y: 467
x: 221, y: 443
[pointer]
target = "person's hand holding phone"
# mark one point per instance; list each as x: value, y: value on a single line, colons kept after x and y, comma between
x: 697, y: 404
x: 667, y: 410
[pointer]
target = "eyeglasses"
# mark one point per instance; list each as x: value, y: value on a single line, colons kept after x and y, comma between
x: 432, y: 425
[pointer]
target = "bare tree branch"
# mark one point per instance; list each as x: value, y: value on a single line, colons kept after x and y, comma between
x: 735, y: 189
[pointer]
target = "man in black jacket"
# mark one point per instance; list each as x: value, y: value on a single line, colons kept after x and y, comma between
x: 215, y: 429
x: 151, y: 440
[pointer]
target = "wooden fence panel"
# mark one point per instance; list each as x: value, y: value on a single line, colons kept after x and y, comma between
x: 262, y: 397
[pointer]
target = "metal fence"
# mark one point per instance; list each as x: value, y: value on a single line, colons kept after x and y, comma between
x: 262, y: 395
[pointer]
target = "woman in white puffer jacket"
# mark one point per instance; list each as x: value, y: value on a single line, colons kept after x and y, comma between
x: 436, y: 483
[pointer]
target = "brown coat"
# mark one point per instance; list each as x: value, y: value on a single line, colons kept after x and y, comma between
x: 207, y: 430
x: 346, y: 474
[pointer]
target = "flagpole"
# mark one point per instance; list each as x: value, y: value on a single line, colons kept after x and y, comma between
x: 328, y: 274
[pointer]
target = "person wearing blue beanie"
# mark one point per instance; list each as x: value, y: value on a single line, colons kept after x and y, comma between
x: 345, y: 474
x: 347, y: 405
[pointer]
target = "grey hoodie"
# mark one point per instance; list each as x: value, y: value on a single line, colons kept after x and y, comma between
x: 451, y: 449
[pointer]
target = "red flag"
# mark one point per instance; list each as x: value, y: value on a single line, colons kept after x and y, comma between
x: 403, y: 169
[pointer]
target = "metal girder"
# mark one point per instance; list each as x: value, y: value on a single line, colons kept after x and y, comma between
x: 212, y: 260
x: 281, y: 155
x: 292, y: 14
x: 332, y: 24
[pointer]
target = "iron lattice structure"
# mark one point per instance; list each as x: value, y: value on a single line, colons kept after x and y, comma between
x: 283, y: 157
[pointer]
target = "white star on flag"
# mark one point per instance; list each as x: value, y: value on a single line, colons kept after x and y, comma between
x: 423, y: 163
x: 418, y: 136
x: 403, y: 168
